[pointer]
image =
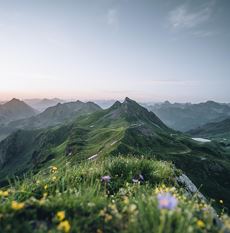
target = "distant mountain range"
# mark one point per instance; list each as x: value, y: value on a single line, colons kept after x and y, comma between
x: 42, y: 104
x: 52, y: 116
x: 126, y: 129
x: 184, y: 117
x: 14, y: 110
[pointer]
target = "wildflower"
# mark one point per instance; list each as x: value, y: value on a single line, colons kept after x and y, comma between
x: 108, y: 217
x: 132, y: 208
x: 105, y: 179
x: 102, y: 212
x: 126, y: 200
x: 200, y: 224
x: 46, y: 187
x: 54, y: 178
x: 135, y: 180
x: 64, y: 226
x: 60, y: 215
x: 166, y: 201
x: 54, y: 168
x: 113, y: 207
x: 45, y: 195
x: 17, y: 205
x: 141, y: 178
x: 221, y: 202
x: 4, y: 193
x: 157, y: 190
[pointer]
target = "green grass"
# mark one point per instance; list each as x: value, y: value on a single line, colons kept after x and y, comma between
x: 92, y: 206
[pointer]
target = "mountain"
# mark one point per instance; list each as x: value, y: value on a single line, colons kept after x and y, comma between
x: 42, y: 104
x: 184, y: 117
x: 52, y: 116
x: 14, y: 110
x: 216, y: 130
x: 124, y: 129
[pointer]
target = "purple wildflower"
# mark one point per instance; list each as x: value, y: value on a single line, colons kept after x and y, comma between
x: 138, y: 178
x: 141, y: 177
x: 167, y: 201
x: 135, y: 180
x: 105, y: 179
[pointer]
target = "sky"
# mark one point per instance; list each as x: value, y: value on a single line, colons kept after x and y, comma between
x: 149, y: 50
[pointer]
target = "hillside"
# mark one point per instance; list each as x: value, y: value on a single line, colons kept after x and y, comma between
x: 184, y: 117
x: 125, y: 128
x: 216, y: 130
x: 56, y: 115
x: 15, y: 110
x: 110, y: 195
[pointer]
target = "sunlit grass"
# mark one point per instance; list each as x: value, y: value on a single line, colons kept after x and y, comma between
x: 72, y: 198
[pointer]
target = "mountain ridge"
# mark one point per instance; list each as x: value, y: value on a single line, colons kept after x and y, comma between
x: 15, y: 109
x: 125, y: 128
x: 184, y: 117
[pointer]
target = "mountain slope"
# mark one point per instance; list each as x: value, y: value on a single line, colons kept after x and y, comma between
x: 14, y: 110
x: 188, y: 116
x: 215, y: 130
x: 52, y: 116
x: 125, y: 128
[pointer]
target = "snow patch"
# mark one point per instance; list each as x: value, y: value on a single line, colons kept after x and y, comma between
x: 113, y: 143
x: 93, y: 157
x: 201, y: 140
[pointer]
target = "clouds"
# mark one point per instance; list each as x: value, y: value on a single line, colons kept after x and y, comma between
x: 112, y: 17
x: 185, y: 17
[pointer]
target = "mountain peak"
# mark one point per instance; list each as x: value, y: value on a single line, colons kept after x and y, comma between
x: 127, y: 99
x: 117, y: 104
x: 129, y: 103
x: 14, y: 102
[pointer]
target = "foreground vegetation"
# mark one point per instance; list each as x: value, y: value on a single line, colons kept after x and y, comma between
x: 113, y: 195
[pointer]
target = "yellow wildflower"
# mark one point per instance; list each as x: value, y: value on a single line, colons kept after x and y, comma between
x: 108, y: 217
x: 45, y: 195
x: 46, y: 187
x: 17, y: 205
x: 53, y: 169
x: 54, y: 178
x: 221, y: 202
x: 200, y: 224
x: 126, y: 200
x: 64, y: 226
x: 113, y: 206
x: 102, y: 212
x: 60, y: 215
x: 132, y: 208
x: 4, y: 193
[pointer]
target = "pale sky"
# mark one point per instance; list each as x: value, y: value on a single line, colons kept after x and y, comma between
x: 149, y: 50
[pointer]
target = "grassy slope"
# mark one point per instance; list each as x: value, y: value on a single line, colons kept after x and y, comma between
x: 91, y: 206
x: 101, y: 133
